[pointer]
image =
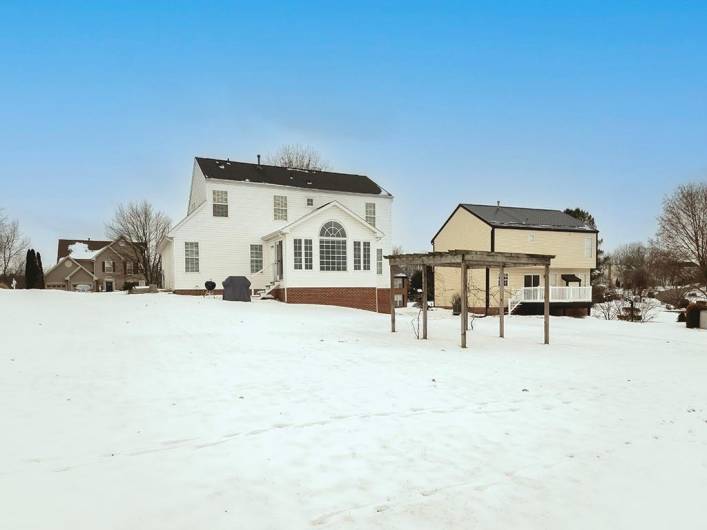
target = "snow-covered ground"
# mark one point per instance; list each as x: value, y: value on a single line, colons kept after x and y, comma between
x: 168, y: 412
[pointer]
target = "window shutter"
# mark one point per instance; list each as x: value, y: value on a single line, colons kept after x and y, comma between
x: 103, y: 264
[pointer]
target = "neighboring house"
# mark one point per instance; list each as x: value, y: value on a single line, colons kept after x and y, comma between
x: 528, y: 230
x: 91, y: 265
x: 302, y: 236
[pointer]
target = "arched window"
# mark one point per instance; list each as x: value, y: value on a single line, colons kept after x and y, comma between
x: 332, y: 229
x: 332, y: 247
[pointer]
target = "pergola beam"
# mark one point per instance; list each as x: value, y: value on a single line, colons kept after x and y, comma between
x: 466, y: 259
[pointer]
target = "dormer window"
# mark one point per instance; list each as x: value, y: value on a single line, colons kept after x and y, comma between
x: 220, y: 203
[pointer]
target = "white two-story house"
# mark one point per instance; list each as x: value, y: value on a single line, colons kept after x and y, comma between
x: 302, y: 236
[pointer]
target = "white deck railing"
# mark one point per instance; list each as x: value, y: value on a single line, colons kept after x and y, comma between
x: 557, y: 294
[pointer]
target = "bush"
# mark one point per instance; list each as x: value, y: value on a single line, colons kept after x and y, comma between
x: 692, y: 314
x: 129, y: 285
x: 683, y: 303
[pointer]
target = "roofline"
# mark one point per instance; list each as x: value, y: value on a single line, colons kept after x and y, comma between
x: 321, y: 190
x: 528, y: 226
x: 184, y: 219
x: 514, y: 227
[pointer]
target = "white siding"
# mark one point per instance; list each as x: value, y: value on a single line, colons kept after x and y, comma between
x: 224, y: 242
x: 197, y: 193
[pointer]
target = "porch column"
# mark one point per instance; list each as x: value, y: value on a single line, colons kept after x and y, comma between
x: 501, y: 308
x: 424, y: 301
x: 547, y: 304
x: 464, y: 315
x: 392, y: 301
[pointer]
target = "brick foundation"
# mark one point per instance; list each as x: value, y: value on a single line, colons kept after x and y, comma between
x: 354, y: 297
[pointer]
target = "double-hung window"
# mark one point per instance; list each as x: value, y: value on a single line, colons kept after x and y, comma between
x: 191, y: 256
x: 108, y: 266
x: 371, y: 213
x: 379, y: 261
x: 308, y: 254
x: 280, y: 207
x: 366, y: 255
x: 303, y: 254
x: 505, y: 279
x: 588, y: 247
x: 129, y: 267
x: 298, y: 254
x: 256, y: 258
x: 332, y: 247
x: 357, y: 255
x: 220, y: 203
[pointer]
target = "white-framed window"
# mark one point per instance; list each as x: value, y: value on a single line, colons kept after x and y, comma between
x: 366, y: 255
x: 191, y: 256
x: 531, y: 237
x: 357, y: 255
x: 129, y: 267
x: 298, y: 254
x: 107, y: 266
x: 588, y: 247
x: 505, y: 279
x: 220, y: 203
x: 280, y: 207
x: 371, y: 213
x: 308, y: 254
x: 332, y: 247
x: 310, y: 201
x: 379, y: 261
x: 256, y: 258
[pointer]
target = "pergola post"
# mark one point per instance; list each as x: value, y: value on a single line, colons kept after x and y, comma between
x: 547, y: 304
x: 501, y: 308
x: 464, y: 315
x: 424, y: 301
x: 392, y: 301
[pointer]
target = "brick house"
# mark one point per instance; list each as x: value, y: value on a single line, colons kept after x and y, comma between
x: 93, y: 265
x: 302, y: 236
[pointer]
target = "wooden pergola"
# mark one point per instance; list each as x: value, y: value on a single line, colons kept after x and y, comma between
x: 465, y: 260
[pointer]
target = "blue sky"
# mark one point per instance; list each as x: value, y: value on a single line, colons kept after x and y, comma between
x: 601, y: 105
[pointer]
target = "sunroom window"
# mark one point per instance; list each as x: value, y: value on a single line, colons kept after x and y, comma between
x: 332, y: 247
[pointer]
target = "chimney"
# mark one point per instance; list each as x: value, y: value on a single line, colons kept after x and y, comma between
x: 258, y: 160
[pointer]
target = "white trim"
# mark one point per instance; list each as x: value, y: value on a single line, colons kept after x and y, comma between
x: 176, y: 227
x: 78, y: 266
x: 288, y: 228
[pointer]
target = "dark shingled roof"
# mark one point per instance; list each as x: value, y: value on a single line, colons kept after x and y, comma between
x: 299, y: 178
x: 512, y: 217
x: 92, y: 244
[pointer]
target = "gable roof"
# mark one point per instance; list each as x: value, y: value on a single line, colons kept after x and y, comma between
x: 332, y: 204
x: 283, y: 176
x: 80, y: 265
x: 92, y: 244
x: 537, y: 218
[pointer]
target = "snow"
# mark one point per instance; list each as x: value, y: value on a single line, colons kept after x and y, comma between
x: 166, y: 412
x: 80, y: 251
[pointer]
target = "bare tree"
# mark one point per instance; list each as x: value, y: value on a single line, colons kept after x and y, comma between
x: 682, y: 227
x: 297, y: 156
x: 631, y: 265
x: 12, y: 246
x: 145, y: 229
